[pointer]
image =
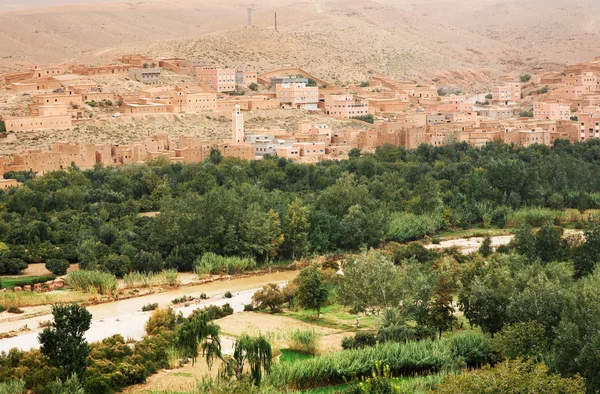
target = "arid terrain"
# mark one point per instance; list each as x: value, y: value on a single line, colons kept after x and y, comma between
x: 455, y: 42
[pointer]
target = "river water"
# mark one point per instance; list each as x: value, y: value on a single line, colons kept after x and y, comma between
x: 125, y: 317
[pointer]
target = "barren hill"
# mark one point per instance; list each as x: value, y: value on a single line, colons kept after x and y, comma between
x: 467, y: 42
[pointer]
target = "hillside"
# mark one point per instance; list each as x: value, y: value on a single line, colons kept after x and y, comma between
x: 331, y: 38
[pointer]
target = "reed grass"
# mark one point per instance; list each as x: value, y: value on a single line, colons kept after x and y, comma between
x: 535, y: 217
x: 151, y: 279
x: 211, y: 263
x: 25, y: 299
x: 304, y: 341
x: 12, y: 387
x: 93, y: 282
x: 410, y: 359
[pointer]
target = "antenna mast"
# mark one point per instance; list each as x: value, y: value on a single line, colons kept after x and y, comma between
x: 276, y: 22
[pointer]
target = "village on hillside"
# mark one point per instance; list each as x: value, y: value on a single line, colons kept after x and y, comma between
x: 522, y: 110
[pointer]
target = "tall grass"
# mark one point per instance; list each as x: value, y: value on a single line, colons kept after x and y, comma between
x: 24, y: 299
x: 535, y: 217
x: 174, y: 357
x: 406, y: 226
x: 304, y: 341
x: 412, y: 358
x: 12, y: 387
x: 211, y: 263
x: 140, y: 279
x: 93, y: 282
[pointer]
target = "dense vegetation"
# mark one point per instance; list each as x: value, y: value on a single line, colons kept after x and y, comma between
x: 533, y: 306
x: 277, y: 209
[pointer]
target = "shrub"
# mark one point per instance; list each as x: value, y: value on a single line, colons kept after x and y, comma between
x: 213, y: 312
x: 182, y: 299
x: 14, y: 309
x: 543, y: 90
x: 525, y: 78
x: 228, y: 294
x: 270, y: 296
x: 2, y: 309
x: 404, y: 333
x: 147, y: 262
x: 248, y: 308
x: 58, y: 267
x: 119, y: 265
x: 304, y: 341
x: 534, y: 217
x: 365, y: 118
x: 360, y: 340
x: 253, y: 86
x: 150, y: 307
x: 203, y: 296
x: 93, y: 282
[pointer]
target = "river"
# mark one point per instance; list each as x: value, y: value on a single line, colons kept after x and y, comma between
x: 125, y: 317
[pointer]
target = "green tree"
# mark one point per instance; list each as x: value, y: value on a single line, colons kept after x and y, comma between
x: 586, y: 256
x: 526, y: 340
x: 549, y: 245
x: 485, y: 296
x: 147, y: 262
x: 68, y: 386
x: 197, y: 332
x: 297, y: 228
x: 486, y: 248
x: 516, y: 377
x: 260, y: 232
x: 215, y: 156
x: 354, y: 153
x: 370, y: 282
x: 64, y: 343
x: 255, y: 352
x: 253, y: 86
x: 440, y: 308
x: 312, y: 290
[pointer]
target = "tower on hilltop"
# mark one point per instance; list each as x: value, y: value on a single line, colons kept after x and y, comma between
x: 238, y: 124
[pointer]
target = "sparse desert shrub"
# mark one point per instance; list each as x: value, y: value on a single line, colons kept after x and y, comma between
x: 228, y: 294
x: 248, y: 308
x: 16, y: 310
x: 150, y: 307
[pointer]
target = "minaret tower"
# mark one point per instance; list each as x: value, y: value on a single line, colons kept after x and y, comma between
x: 238, y: 124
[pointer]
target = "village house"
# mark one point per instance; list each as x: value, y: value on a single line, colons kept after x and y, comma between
x: 551, y: 111
x: 508, y: 94
x: 220, y: 79
x: 108, y: 69
x: 148, y: 76
x: 246, y: 77
x: 298, y: 95
x: 345, y: 106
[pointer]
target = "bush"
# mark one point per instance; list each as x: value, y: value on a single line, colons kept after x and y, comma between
x: 58, y: 267
x: 270, y: 296
x: 514, y: 377
x: 365, y: 118
x: 304, y: 341
x: 360, y: 341
x: 211, y: 263
x: 248, y: 308
x: 403, y: 333
x: 93, y: 282
x: 534, y: 217
x: 14, y: 309
x: 182, y: 299
x: 253, y: 86
x: 213, y: 312
x: 2, y: 309
x: 147, y: 262
x: 543, y: 90
x: 228, y: 295
x: 119, y: 265
x: 150, y: 307
x: 525, y: 78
